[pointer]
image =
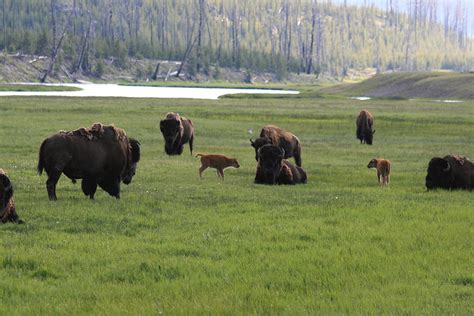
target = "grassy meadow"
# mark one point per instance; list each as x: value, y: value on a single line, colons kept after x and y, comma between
x: 175, y: 244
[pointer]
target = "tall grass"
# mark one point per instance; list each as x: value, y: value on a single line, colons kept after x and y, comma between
x: 176, y: 244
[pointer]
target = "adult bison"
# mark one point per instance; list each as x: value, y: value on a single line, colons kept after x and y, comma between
x: 450, y: 172
x: 7, y: 205
x: 102, y: 155
x: 274, y: 135
x: 272, y: 168
x: 364, y: 123
x: 177, y: 131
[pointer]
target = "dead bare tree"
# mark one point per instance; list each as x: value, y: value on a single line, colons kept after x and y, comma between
x: 309, y: 66
x: 201, y: 24
x: 189, y: 47
x: 83, y: 49
x: 56, y: 48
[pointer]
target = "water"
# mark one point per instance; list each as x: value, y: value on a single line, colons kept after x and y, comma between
x: 361, y: 98
x: 114, y: 90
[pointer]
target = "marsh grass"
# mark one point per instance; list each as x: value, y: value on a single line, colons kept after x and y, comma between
x: 33, y: 87
x: 180, y: 245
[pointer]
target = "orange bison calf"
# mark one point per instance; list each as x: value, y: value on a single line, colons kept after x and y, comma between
x: 218, y: 162
x: 383, y: 167
x: 7, y: 205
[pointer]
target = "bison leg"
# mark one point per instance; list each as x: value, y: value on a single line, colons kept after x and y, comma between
x: 111, y: 185
x: 201, y: 170
x: 298, y: 158
x: 221, y: 173
x: 89, y: 187
x: 53, y: 178
x: 191, y: 141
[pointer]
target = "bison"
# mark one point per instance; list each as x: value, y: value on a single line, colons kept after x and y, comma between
x: 7, y: 205
x: 450, y: 172
x: 102, y: 156
x: 279, y: 137
x: 272, y: 168
x: 364, y: 123
x: 177, y: 131
x: 383, y: 167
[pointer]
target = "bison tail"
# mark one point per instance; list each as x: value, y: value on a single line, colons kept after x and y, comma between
x: 41, y: 158
x: 198, y: 155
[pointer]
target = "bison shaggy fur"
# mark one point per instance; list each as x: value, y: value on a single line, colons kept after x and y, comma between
x: 177, y: 131
x: 272, y: 168
x: 450, y: 172
x: 277, y: 136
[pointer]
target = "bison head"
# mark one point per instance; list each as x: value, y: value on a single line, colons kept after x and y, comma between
x: 270, y: 159
x: 258, y: 143
x: 171, y: 128
x: 439, y: 174
x: 133, y: 160
x: 368, y: 135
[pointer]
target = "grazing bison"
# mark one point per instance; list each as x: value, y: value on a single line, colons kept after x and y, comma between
x: 7, y: 205
x: 450, y: 172
x: 279, y: 137
x: 273, y: 169
x: 364, y: 123
x: 177, y: 131
x: 102, y: 155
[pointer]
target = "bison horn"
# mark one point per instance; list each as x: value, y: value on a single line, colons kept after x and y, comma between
x: 448, y: 167
x: 282, y: 152
x: 252, y: 142
x: 373, y: 132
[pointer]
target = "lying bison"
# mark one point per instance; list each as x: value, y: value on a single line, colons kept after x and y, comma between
x: 273, y: 169
x: 364, y: 123
x: 177, y: 131
x: 7, y: 205
x: 450, y: 172
x: 279, y: 137
x: 101, y: 155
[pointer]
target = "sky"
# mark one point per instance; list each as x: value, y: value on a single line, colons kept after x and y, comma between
x: 469, y: 5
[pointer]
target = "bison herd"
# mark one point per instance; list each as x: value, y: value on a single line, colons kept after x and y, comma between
x: 104, y: 156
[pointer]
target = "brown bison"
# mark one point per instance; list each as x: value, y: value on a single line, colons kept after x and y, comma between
x: 102, y: 155
x: 279, y: 137
x: 364, y: 123
x: 273, y: 169
x: 7, y: 205
x: 383, y: 167
x: 450, y: 172
x: 177, y: 131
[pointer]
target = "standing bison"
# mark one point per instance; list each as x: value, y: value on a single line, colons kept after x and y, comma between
x: 273, y: 169
x: 177, y: 131
x: 279, y: 137
x: 7, y: 205
x: 450, y: 172
x: 102, y: 155
x: 364, y: 123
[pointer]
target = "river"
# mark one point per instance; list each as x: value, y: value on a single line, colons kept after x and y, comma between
x: 114, y: 90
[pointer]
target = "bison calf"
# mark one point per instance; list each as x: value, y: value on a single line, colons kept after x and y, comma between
x: 177, y: 131
x: 274, y: 135
x: 364, y: 123
x: 7, y: 205
x: 383, y: 167
x: 218, y: 162
x: 273, y: 169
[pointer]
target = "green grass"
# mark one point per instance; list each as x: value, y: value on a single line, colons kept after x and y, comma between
x: 411, y: 85
x: 176, y: 244
x: 32, y: 87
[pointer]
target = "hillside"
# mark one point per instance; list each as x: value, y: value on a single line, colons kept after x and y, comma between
x: 312, y: 37
x: 411, y: 85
